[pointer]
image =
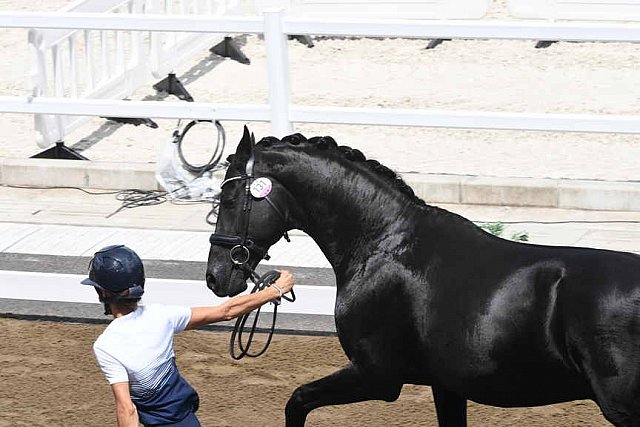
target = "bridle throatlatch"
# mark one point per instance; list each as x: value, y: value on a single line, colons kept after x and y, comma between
x: 240, y: 248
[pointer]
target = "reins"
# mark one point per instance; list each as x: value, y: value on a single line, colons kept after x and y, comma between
x: 262, y: 282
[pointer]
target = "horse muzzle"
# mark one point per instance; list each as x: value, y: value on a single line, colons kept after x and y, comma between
x: 227, y: 280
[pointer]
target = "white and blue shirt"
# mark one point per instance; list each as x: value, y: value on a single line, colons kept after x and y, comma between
x: 138, y: 348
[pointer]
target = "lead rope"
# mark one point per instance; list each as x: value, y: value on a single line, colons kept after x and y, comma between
x: 261, y: 283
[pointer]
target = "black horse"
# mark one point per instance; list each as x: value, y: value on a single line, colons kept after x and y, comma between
x: 426, y: 297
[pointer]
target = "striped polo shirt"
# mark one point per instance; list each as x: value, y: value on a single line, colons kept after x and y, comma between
x: 138, y: 348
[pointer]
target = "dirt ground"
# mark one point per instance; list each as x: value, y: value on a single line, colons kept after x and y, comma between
x: 49, y: 377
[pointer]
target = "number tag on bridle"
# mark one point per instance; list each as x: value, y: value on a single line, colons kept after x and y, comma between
x: 260, y: 188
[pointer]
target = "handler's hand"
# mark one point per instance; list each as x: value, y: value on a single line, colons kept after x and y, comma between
x: 285, y: 281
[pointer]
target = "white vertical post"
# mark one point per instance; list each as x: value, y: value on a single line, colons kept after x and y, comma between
x: 278, y: 64
x: 120, y: 56
x: 88, y: 60
x: 104, y: 56
x: 73, y: 66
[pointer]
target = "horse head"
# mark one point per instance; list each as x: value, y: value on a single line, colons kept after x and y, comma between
x: 255, y: 212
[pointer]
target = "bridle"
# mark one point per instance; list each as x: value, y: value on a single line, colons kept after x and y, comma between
x: 240, y: 247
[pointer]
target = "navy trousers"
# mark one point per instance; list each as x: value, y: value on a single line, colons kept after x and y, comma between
x: 189, y: 421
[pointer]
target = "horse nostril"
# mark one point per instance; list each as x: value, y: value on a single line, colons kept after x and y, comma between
x: 211, y: 281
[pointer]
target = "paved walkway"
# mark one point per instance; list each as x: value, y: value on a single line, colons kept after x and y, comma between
x: 73, y: 223
x: 70, y: 222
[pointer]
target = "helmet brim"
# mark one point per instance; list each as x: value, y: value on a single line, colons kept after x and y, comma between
x: 90, y: 282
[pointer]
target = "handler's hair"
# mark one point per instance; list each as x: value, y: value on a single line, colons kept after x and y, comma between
x: 123, y: 304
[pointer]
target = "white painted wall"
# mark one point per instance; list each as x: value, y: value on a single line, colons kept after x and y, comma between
x: 593, y: 10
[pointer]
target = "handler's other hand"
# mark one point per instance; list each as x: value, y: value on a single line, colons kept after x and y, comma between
x: 285, y: 281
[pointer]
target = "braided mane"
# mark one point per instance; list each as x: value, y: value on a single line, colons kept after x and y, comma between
x: 352, y: 154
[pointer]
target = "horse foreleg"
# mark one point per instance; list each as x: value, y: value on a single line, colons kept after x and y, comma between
x: 347, y: 385
x: 451, y: 408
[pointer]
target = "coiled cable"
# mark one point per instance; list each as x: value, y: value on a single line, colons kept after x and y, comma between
x: 178, y: 138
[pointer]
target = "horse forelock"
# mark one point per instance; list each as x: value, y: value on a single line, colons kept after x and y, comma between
x: 326, y: 144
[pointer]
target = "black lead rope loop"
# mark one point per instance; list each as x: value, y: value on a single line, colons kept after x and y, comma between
x: 261, y: 282
x: 292, y: 298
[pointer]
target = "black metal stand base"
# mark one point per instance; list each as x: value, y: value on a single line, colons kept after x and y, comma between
x: 229, y: 49
x: 59, y: 151
x: 435, y: 42
x: 306, y: 40
x: 173, y: 86
x: 543, y: 44
x: 136, y: 121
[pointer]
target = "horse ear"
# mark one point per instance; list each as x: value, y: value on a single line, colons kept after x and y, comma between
x: 245, y: 146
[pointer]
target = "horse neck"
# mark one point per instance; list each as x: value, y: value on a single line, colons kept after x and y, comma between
x: 348, y: 213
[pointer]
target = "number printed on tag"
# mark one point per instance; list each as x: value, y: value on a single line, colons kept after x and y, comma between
x: 261, y: 187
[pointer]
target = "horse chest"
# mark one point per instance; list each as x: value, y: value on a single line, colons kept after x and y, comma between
x: 379, y: 334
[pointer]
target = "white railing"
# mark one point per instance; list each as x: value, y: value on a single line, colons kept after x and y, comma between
x: 26, y: 285
x: 101, y: 64
x: 276, y: 26
x: 595, y: 123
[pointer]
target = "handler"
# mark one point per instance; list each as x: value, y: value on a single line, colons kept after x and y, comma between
x: 135, y: 351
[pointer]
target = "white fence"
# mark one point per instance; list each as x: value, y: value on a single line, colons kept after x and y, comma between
x: 276, y: 26
x: 23, y: 285
x: 103, y: 64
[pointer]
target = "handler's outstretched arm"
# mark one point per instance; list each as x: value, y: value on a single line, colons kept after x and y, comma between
x: 126, y: 413
x: 240, y: 305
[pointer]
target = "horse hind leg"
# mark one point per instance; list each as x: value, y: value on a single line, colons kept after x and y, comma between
x: 609, y: 361
x: 451, y: 408
x: 619, y: 401
x: 347, y: 385
x: 615, y: 383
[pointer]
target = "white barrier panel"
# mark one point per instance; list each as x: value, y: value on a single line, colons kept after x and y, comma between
x: 468, y: 29
x: 103, y: 64
x: 593, y: 10
x: 67, y: 288
x: 84, y: 64
x: 388, y: 9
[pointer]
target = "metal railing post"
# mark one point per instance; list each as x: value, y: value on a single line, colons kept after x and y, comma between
x: 278, y: 71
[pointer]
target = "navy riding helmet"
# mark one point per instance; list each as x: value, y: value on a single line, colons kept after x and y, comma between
x: 116, y: 269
